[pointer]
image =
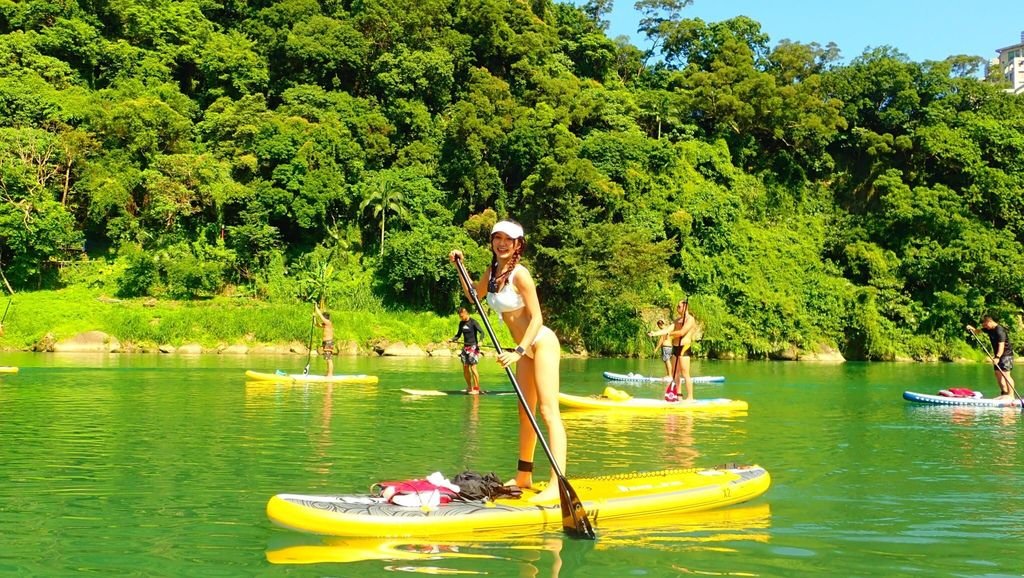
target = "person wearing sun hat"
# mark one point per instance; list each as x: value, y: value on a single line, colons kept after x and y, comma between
x: 512, y: 293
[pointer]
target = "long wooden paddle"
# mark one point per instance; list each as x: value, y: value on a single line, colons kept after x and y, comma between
x: 991, y: 355
x: 575, y: 522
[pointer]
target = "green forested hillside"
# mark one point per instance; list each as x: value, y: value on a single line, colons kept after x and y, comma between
x: 341, y: 148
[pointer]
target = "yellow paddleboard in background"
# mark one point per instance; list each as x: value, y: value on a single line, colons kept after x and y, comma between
x: 649, y: 404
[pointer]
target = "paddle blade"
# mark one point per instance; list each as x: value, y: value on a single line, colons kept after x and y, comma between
x: 575, y: 522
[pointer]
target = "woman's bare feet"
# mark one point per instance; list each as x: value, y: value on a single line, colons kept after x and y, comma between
x: 523, y: 479
x: 548, y: 495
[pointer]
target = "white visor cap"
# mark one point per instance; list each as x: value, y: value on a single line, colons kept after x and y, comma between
x: 511, y: 229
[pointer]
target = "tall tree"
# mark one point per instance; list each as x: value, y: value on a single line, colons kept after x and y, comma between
x: 383, y: 194
x: 596, y: 10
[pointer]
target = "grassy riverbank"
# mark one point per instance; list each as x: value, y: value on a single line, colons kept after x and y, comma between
x: 142, y: 323
x: 145, y: 324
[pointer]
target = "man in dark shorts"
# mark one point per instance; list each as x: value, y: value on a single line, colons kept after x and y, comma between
x: 1002, y: 355
x: 327, y: 345
x: 470, y: 331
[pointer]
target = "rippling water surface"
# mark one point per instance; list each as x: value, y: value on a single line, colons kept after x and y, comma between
x: 162, y: 466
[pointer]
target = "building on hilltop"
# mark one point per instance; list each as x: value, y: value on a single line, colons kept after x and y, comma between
x: 1010, y: 63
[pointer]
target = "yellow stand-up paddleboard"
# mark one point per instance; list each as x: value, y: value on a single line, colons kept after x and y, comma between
x: 609, y: 498
x: 615, y: 399
x: 8, y: 369
x: 302, y: 378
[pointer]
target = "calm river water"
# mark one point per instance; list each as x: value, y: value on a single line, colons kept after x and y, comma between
x: 162, y: 466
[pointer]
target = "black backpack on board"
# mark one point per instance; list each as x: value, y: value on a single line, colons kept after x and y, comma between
x: 475, y: 487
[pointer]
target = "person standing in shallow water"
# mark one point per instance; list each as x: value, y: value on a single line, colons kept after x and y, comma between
x: 1002, y: 355
x: 323, y: 320
x: 512, y: 293
x: 470, y: 332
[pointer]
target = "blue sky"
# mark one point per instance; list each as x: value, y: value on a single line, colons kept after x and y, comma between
x: 922, y: 30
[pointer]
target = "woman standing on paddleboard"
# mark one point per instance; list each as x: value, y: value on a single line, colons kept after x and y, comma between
x: 512, y: 293
x: 681, y: 332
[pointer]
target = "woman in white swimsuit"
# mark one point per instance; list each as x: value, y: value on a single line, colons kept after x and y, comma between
x: 512, y: 293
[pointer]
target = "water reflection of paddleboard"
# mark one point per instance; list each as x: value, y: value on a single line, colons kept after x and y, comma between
x: 662, y: 532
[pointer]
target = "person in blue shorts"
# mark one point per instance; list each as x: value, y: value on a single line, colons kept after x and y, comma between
x: 1002, y: 355
x: 470, y: 332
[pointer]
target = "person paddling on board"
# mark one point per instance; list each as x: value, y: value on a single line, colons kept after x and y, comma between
x: 323, y: 319
x: 470, y: 331
x: 681, y: 333
x: 512, y: 293
x: 664, y: 346
x: 1002, y: 355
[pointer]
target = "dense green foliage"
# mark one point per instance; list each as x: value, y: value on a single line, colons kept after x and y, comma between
x: 295, y: 149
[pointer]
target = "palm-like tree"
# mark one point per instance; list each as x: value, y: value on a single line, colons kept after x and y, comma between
x: 316, y: 285
x: 384, y: 197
